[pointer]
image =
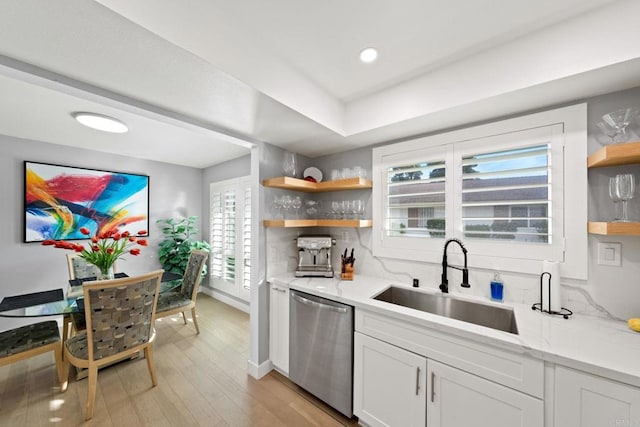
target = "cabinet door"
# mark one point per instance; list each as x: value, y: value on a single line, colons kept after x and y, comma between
x: 584, y: 400
x: 457, y: 398
x: 388, y: 384
x: 279, y: 328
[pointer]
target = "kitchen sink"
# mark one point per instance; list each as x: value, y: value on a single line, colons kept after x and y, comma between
x: 490, y: 316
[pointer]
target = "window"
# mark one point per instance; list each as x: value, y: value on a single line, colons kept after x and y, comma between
x: 499, y: 187
x: 231, y: 236
x: 500, y: 192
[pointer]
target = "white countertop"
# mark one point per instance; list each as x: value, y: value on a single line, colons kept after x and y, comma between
x: 602, y: 347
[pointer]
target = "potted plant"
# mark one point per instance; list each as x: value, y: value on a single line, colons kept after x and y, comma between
x: 177, y: 244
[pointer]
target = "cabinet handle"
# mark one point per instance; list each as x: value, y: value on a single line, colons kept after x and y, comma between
x: 417, y: 380
x: 433, y: 386
x: 278, y: 289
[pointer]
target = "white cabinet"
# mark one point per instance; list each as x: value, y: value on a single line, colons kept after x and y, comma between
x: 279, y: 327
x: 585, y: 400
x: 457, y: 398
x: 389, y: 384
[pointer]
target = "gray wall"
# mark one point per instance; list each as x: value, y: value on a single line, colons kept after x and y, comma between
x: 30, y: 267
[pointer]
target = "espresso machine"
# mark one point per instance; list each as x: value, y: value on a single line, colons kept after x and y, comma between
x: 314, y: 256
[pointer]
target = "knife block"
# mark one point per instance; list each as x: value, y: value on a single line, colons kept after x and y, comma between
x: 347, y: 272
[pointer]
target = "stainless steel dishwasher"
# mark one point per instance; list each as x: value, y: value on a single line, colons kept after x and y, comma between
x: 321, y: 349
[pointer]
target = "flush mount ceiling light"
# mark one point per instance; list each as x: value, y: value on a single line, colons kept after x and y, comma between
x: 368, y: 55
x: 101, y: 122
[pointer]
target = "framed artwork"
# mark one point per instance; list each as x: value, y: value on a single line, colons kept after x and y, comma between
x: 59, y: 200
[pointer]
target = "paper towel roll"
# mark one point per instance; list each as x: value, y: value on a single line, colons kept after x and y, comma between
x: 552, y: 267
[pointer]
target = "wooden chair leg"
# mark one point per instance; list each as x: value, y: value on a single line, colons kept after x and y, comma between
x: 184, y: 317
x: 64, y: 377
x: 66, y: 321
x: 195, y: 319
x: 148, y: 354
x: 91, y: 390
x: 57, y: 352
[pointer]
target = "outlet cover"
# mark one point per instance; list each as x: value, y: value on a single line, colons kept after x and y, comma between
x: 609, y: 253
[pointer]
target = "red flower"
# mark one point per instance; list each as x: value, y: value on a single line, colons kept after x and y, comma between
x: 105, y: 247
x: 142, y: 233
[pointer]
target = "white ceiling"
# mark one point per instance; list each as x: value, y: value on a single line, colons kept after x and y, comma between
x: 214, y: 75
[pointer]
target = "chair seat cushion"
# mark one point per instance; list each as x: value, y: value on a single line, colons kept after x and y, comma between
x: 25, y: 338
x: 77, y: 345
x: 171, y: 300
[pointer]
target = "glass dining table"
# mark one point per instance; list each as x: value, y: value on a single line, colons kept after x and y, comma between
x: 55, y: 302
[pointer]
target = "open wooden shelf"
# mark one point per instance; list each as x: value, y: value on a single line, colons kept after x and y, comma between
x: 615, y: 155
x: 359, y: 223
x: 614, y: 228
x: 287, y: 183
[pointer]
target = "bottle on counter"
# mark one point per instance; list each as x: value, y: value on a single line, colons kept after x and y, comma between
x: 497, y: 288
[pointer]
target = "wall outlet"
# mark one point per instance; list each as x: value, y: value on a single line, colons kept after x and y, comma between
x: 609, y: 254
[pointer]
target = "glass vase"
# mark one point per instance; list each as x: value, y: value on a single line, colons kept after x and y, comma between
x: 106, y: 273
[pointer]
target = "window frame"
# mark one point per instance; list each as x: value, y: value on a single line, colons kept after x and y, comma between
x: 572, y: 240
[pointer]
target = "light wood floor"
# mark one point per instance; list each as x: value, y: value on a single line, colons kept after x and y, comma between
x: 202, y: 381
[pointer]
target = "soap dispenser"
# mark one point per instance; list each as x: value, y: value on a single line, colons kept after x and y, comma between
x: 497, y: 287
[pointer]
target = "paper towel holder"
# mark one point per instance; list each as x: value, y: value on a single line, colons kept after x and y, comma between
x: 564, y: 312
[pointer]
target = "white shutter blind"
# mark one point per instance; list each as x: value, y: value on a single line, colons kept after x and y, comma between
x: 229, y: 266
x: 415, y: 200
x: 217, y: 234
x: 246, y: 240
x: 506, y: 194
x: 231, y: 236
x: 223, y: 232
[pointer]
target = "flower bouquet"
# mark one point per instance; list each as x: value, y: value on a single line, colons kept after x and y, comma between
x: 105, y: 248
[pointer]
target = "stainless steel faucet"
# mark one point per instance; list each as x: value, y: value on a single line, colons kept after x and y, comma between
x: 444, y: 285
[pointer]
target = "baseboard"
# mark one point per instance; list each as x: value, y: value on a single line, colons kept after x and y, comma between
x: 220, y: 296
x: 259, y: 371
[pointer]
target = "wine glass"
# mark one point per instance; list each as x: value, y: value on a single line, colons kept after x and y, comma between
x: 277, y: 207
x: 617, y: 122
x: 358, y: 209
x: 290, y: 164
x: 335, y: 208
x: 625, y: 187
x: 286, y: 202
x: 613, y: 195
x: 296, y: 203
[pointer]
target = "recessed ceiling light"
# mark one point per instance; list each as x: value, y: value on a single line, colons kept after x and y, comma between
x: 101, y: 122
x: 368, y: 55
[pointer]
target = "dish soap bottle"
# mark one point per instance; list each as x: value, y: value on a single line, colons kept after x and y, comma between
x: 497, y: 287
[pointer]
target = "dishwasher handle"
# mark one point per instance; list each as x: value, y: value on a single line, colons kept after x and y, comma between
x: 318, y: 305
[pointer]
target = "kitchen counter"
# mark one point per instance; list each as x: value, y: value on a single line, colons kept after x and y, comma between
x: 598, y: 346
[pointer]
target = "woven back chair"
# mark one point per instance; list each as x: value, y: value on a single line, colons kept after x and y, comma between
x: 78, y: 269
x: 120, y: 315
x: 184, y: 299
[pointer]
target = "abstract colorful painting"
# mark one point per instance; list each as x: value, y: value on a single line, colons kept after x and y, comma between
x: 59, y: 200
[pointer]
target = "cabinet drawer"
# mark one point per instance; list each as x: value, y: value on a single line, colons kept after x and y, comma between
x: 513, y: 370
